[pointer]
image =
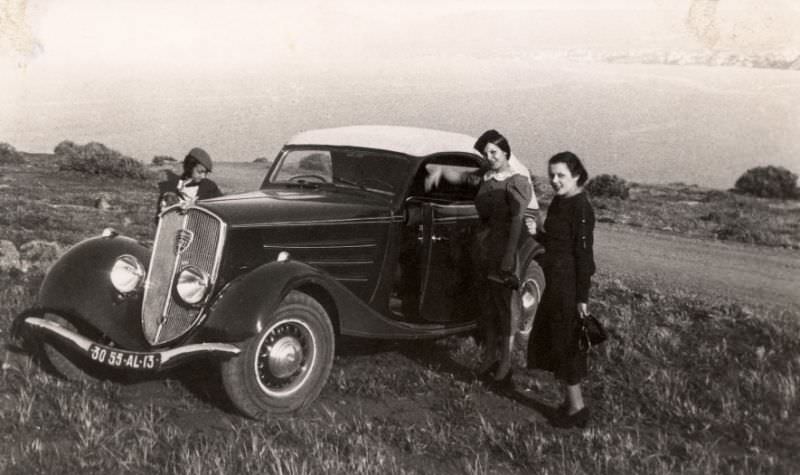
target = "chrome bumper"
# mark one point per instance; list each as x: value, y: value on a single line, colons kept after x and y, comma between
x: 168, y: 358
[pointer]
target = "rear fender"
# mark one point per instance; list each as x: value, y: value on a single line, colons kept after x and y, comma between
x: 78, y: 287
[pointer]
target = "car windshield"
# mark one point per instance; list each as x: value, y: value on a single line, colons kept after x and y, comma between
x: 364, y: 170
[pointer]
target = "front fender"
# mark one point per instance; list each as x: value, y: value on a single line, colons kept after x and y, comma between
x: 243, y: 306
x: 78, y: 288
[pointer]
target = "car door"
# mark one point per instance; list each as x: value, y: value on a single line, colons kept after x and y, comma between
x: 444, y: 261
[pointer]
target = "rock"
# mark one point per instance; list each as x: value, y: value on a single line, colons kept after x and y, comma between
x: 9, y: 256
x: 38, y: 254
x: 102, y: 203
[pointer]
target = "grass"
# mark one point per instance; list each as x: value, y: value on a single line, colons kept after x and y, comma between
x: 686, y: 384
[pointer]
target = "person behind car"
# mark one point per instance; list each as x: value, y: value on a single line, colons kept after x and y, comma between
x: 504, y: 193
x: 193, y: 184
x: 568, y: 265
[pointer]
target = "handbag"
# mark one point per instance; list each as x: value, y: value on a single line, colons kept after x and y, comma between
x: 590, y: 332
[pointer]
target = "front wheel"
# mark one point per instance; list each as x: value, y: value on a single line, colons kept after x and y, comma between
x: 284, y: 367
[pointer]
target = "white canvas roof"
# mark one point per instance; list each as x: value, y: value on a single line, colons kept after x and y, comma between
x: 415, y: 141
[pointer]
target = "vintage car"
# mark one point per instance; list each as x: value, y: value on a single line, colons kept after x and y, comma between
x: 340, y: 239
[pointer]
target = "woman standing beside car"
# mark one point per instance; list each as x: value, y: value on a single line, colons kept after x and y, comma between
x: 568, y: 264
x: 504, y: 194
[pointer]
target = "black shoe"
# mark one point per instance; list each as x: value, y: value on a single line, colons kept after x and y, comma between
x: 505, y: 384
x: 488, y: 374
x: 579, y: 419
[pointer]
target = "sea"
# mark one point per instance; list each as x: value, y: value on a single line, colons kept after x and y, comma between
x: 647, y: 123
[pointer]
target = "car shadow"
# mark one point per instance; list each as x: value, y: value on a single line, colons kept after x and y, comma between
x: 437, y: 358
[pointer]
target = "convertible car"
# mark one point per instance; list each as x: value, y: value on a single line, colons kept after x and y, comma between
x: 341, y: 239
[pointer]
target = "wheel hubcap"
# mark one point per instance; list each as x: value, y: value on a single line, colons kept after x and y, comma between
x: 285, y: 357
x: 530, y: 294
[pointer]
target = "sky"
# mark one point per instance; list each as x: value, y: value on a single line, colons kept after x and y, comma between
x: 136, y: 73
x: 183, y: 37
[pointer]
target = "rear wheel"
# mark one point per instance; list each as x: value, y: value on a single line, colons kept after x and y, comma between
x: 284, y: 367
x: 67, y: 361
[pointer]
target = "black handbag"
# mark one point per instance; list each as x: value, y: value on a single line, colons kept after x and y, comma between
x: 590, y: 332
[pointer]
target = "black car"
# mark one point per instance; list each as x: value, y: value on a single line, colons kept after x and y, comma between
x: 341, y: 239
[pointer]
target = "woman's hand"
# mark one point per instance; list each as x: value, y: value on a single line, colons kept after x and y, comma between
x: 583, y: 309
x: 433, y: 178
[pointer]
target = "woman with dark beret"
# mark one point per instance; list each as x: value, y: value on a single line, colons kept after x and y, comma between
x: 192, y: 184
x: 568, y: 265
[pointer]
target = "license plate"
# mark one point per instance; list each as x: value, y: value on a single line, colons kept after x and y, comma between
x: 124, y: 359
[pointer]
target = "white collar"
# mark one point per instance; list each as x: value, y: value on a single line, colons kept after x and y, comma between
x: 515, y: 167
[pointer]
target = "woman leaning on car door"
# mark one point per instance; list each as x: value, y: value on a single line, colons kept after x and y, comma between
x: 504, y: 194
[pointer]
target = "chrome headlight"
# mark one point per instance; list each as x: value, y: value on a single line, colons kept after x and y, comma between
x: 127, y: 274
x: 192, y: 285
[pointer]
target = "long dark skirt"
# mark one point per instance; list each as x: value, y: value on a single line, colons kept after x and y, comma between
x: 553, y: 344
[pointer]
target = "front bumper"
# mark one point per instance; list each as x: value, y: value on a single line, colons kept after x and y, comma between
x: 123, y: 359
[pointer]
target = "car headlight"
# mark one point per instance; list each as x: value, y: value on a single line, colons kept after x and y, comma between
x: 192, y: 285
x: 127, y: 274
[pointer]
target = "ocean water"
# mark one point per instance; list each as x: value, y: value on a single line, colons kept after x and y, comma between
x: 647, y: 123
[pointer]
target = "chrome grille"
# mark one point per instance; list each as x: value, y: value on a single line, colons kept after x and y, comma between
x: 164, y: 316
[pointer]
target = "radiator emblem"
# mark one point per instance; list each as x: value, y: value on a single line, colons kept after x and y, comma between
x: 183, y: 239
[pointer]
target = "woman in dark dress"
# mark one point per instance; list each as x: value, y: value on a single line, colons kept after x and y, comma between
x: 504, y: 194
x: 568, y: 266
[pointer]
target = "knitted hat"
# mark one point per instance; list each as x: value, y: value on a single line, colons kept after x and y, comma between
x: 201, y: 156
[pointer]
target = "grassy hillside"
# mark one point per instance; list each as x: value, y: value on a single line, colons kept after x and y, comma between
x: 684, y: 384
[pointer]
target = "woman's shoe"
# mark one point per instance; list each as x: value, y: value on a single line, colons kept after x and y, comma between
x: 578, y: 419
x: 488, y: 372
x: 504, y: 384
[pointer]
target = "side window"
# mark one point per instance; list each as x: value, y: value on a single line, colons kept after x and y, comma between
x: 455, y: 165
x: 310, y: 165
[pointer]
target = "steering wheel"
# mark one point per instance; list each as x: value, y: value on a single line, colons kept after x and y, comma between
x: 318, y: 178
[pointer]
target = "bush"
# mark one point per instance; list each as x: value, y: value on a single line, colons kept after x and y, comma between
x: 768, y: 182
x: 96, y: 159
x: 163, y: 160
x: 8, y: 154
x: 65, y: 148
x: 608, y: 186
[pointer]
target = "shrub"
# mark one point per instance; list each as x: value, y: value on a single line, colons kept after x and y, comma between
x: 96, y: 159
x: 163, y: 160
x: 261, y: 160
x: 8, y: 154
x: 768, y: 182
x: 609, y: 186
x: 65, y: 147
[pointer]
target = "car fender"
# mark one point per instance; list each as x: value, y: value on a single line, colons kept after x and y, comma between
x: 529, y: 248
x: 78, y: 288
x: 243, y: 306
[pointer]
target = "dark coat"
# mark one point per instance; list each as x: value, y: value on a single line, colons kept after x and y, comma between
x: 168, y: 191
x: 568, y: 265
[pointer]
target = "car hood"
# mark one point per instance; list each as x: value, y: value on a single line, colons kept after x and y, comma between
x: 273, y: 207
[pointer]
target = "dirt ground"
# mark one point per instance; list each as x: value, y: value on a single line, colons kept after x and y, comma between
x: 748, y: 274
